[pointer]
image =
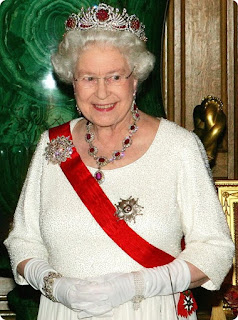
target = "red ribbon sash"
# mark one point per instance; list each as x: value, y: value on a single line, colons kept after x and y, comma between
x: 103, y: 210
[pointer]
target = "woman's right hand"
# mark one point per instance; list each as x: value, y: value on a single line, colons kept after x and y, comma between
x: 75, y: 294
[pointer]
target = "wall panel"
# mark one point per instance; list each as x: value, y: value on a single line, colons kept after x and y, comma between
x: 235, y: 69
x: 201, y: 60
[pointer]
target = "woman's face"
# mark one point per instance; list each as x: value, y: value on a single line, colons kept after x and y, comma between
x: 103, y: 104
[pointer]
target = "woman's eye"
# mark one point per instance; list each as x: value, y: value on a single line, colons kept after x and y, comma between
x: 116, y: 77
x: 88, y: 79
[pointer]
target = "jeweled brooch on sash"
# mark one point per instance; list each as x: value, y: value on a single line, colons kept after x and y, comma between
x: 127, y: 210
x: 59, y: 150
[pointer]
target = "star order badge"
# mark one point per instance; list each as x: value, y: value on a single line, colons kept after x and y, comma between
x: 187, y: 304
x: 128, y: 209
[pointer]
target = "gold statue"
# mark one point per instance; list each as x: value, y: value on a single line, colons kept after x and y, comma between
x: 209, y: 122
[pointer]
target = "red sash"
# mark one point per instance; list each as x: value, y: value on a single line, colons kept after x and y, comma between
x: 103, y: 210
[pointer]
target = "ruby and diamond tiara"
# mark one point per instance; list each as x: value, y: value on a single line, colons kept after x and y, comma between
x: 105, y: 17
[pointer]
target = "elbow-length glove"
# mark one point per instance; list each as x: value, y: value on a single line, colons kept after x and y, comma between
x: 72, y: 292
x: 164, y: 280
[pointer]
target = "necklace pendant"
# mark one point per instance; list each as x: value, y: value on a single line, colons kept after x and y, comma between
x: 99, y: 176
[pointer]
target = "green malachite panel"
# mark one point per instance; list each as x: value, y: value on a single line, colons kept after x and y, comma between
x: 31, y: 98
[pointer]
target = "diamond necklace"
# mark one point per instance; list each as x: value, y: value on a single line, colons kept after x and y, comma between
x: 117, y: 154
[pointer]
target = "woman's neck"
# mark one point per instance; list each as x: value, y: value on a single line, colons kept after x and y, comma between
x: 112, y: 135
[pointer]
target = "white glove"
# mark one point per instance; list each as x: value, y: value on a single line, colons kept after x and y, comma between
x: 34, y: 272
x: 91, y: 311
x: 164, y: 280
x: 78, y: 295
x: 74, y: 293
x: 118, y: 289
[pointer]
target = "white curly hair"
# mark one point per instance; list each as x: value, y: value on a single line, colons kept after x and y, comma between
x: 74, y: 42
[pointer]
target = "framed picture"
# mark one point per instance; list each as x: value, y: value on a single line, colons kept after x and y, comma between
x: 228, y: 196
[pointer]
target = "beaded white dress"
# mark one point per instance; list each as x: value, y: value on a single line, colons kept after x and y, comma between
x: 171, y: 181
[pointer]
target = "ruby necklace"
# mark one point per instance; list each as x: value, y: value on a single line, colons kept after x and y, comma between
x: 117, y: 154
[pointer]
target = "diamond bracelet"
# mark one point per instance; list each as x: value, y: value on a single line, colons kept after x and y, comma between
x: 48, y: 284
x: 139, y: 290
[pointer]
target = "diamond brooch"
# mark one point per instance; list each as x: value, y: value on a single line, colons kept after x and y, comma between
x: 59, y: 150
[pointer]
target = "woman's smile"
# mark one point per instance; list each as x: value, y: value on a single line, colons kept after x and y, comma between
x: 104, y: 107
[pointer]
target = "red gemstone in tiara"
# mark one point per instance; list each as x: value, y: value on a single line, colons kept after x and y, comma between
x: 71, y: 23
x: 102, y: 15
x: 135, y: 24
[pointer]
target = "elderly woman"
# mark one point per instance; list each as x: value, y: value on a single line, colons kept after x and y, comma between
x: 109, y: 196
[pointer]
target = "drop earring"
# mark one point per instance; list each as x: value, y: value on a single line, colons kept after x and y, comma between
x: 79, y: 111
x: 133, y: 102
x: 77, y: 107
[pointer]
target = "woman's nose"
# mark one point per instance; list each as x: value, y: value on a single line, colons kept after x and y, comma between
x: 102, y: 91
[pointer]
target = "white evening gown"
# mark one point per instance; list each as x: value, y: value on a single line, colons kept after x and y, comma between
x: 171, y: 182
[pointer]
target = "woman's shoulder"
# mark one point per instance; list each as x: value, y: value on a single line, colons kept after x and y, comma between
x: 175, y: 132
x: 165, y: 125
x: 174, y: 129
x: 167, y: 132
x: 61, y: 127
x: 182, y: 139
x: 68, y: 126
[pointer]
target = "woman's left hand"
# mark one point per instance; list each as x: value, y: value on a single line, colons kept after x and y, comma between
x: 120, y: 288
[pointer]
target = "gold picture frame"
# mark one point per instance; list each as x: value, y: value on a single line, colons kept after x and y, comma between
x: 228, y: 195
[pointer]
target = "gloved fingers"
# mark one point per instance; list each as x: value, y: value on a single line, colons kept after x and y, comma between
x: 95, y: 311
x: 83, y: 315
x: 85, y: 297
x: 82, y: 282
x: 68, y: 282
x: 99, y: 291
x: 83, y: 305
x: 107, y: 314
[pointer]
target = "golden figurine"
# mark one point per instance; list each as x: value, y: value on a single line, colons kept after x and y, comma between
x: 209, y: 122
